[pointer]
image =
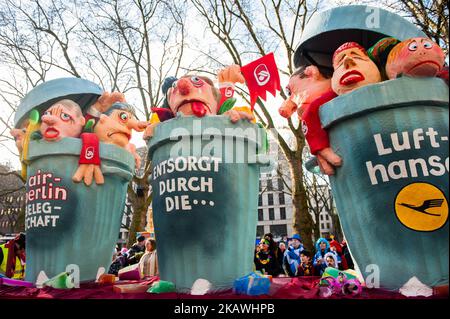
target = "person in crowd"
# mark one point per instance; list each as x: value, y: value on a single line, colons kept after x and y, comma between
x: 12, y: 258
x: 291, y: 260
x: 331, y: 260
x: 322, y: 247
x: 119, y: 262
x: 282, y: 246
x: 337, y: 249
x: 346, y: 254
x: 306, y: 267
x: 136, y: 251
x: 275, y: 249
x: 265, y: 261
x: 148, y: 264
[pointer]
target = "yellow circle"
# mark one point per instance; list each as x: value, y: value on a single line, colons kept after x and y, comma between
x: 421, y: 207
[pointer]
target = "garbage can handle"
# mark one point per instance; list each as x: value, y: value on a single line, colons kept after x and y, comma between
x: 111, y: 170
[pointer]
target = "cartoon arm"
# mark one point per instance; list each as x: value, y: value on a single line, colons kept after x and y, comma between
x: 318, y: 140
x: 227, y: 77
x: 103, y: 103
x: 89, y: 163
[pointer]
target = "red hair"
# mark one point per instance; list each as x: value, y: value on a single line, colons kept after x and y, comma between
x: 346, y: 46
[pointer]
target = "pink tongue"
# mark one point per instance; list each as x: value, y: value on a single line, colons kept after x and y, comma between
x: 198, y: 108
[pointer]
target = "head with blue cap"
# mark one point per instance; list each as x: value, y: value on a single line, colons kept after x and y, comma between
x: 322, y: 245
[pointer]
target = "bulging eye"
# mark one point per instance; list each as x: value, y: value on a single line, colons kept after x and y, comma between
x: 288, y: 91
x: 65, y: 117
x: 196, y: 81
x: 412, y: 46
x: 47, y: 113
x: 124, y: 116
x: 427, y: 45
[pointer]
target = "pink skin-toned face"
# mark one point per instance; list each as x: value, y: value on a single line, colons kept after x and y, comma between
x: 61, y: 121
x: 302, y: 91
x: 192, y: 96
x: 304, y: 259
x: 117, y: 127
x: 330, y: 261
x: 263, y: 247
x: 19, y: 135
x: 353, y: 69
x: 416, y: 57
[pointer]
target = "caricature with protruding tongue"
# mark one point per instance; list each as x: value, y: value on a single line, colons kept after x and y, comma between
x: 192, y: 96
x: 198, y: 108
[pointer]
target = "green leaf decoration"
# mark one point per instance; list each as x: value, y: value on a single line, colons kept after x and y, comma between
x: 89, y: 127
x: 227, y: 105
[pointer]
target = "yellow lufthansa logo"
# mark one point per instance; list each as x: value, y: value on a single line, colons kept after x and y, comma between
x: 421, y: 207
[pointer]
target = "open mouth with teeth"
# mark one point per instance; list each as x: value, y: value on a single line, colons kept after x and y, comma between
x: 351, y: 77
x: 199, y: 108
x: 51, y: 133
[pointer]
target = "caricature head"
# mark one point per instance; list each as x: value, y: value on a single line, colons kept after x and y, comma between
x: 62, y: 119
x: 306, y: 84
x: 19, y: 134
x: 116, y: 124
x: 416, y: 57
x: 352, y: 69
x: 193, y: 95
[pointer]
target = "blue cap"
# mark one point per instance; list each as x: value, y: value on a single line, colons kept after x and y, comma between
x: 297, y: 236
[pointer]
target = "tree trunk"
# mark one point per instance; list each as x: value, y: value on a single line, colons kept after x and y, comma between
x: 140, y: 202
x: 302, y: 220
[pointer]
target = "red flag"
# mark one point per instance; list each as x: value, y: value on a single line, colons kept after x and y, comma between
x: 261, y: 77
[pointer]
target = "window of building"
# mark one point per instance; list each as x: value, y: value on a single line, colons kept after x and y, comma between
x: 322, y: 226
x: 321, y: 217
x: 259, y: 231
x: 280, y: 184
x: 269, y: 185
x: 260, y: 214
x: 328, y: 225
x: 282, y: 212
x: 260, y: 200
x: 271, y: 214
x: 281, y: 198
x: 278, y: 230
x: 270, y: 199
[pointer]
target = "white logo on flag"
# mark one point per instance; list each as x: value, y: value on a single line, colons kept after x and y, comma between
x: 228, y: 92
x: 89, y: 154
x: 262, y: 74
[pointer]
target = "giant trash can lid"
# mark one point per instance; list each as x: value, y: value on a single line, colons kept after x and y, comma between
x: 81, y: 91
x: 327, y: 30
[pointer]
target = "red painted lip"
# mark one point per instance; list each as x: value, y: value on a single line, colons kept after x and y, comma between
x: 51, y: 133
x: 425, y: 62
x: 351, y: 77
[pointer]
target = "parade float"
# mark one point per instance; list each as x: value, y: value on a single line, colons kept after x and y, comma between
x: 205, y: 183
x: 70, y: 227
x: 391, y: 189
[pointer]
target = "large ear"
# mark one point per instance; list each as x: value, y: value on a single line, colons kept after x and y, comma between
x: 312, y: 71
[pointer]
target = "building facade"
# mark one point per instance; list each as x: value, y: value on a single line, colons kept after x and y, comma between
x: 275, y: 208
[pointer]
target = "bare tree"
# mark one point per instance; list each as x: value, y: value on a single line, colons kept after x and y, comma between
x: 12, y: 200
x: 246, y: 30
x: 128, y: 46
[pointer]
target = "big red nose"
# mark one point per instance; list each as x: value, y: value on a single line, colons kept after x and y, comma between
x: 184, y: 86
